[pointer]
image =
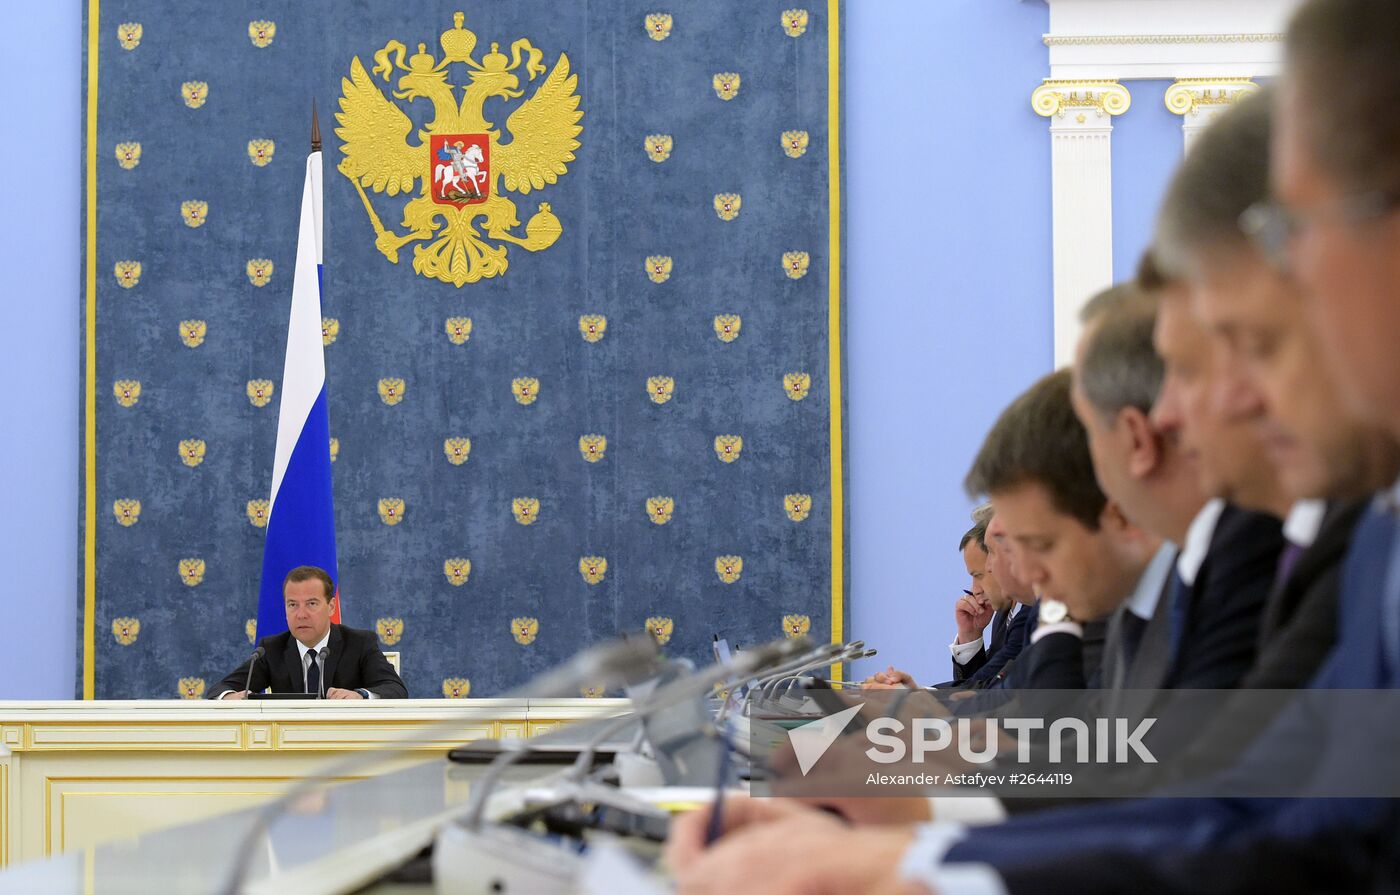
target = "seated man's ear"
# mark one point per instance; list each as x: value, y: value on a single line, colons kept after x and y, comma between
x: 1144, y: 442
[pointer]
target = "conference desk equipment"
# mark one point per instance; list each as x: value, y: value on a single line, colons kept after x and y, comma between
x: 553, y: 795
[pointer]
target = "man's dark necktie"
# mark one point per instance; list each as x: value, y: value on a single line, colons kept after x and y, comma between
x: 999, y: 625
x: 1287, y: 562
x: 1132, y: 628
x: 1179, y: 613
x: 313, y: 675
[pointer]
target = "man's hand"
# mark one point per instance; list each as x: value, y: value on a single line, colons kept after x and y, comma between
x: 972, y: 616
x: 806, y: 853
x: 686, y: 842
x: 337, y: 693
x: 889, y: 679
x: 239, y: 694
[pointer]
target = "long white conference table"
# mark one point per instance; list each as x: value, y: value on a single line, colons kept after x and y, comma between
x: 92, y: 781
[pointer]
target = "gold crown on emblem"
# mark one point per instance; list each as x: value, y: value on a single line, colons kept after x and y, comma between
x: 129, y: 35
x: 526, y: 510
x: 127, y: 391
x: 457, y: 450
x: 260, y: 392
x: 727, y: 205
x: 456, y: 687
x: 391, y: 510
x: 592, y: 327
x: 259, y: 271
x: 795, y: 264
x: 195, y: 212
x: 794, y: 22
x: 727, y: 327
x: 127, y: 511
x: 192, y: 332
x: 191, y: 688
x: 660, y: 389
x: 797, y: 506
x: 524, y: 630
x: 330, y: 331
x: 729, y: 568
x: 728, y: 447
x: 257, y: 512
x: 726, y: 85
x: 457, y: 569
x: 658, y: 26
x: 796, y: 385
x: 191, y: 571
x: 260, y: 152
x: 192, y: 451
x: 592, y: 447
x: 261, y: 33
x: 128, y: 155
x: 526, y: 390
x: 390, y: 630
x: 658, y: 147
x: 660, y: 628
x: 459, y: 329
x: 658, y: 268
x: 796, y: 625
x: 126, y: 630
x: 128, y: 273
x: 660, y: 509
x: 593, y: 568
x: 795, y: 143
x: 195, y: 93
x: 391, y: 391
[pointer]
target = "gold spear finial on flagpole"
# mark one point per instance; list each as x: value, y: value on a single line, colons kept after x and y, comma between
x: 315, y: 129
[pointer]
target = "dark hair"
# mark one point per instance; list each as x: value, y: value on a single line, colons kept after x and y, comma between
x: 976, y: 533
x: 1345, y: 57
x: 306, y: 573
x: 1119, y: 366
x: 1226, y: 171
x: 1149, y: 277
x: 1039, y: 440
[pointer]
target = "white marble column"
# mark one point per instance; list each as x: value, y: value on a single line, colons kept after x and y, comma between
x: 1081, y: 124
x: 1199, y: 100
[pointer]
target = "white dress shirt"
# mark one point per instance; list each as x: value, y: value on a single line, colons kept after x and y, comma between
x: 963, y: 652
x: 303, y: 649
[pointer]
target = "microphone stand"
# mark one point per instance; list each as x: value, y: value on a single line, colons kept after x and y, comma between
x: 257, y: 654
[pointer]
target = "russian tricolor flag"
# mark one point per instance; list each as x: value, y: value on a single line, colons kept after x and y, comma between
x: 301, y: 520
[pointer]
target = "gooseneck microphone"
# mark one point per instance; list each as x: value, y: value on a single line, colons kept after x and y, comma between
x: 257, y: 654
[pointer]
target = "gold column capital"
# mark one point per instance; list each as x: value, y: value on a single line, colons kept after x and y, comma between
x: 1055, y: 99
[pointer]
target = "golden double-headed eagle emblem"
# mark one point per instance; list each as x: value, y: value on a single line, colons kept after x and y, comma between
x: 459, y: 157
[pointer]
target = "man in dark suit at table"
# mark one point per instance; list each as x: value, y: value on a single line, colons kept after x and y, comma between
x: 314, y: 655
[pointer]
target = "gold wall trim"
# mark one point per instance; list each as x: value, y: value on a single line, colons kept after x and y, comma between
x: 833, y: 326
x: 1089, y: 40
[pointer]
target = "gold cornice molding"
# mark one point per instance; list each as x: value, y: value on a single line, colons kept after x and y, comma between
x: 1089, y: 40
x: 1188, y: 95
x: 1053, y: 98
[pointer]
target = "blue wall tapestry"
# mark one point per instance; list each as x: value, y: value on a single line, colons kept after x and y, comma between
x: 582, y: 298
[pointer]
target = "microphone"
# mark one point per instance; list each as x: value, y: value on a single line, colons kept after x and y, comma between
x: 257, y: 654
x: 611, y: 664
x: 831, y: 655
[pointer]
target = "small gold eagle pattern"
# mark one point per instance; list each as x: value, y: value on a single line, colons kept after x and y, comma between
x: 729, y: 568
x: 660, y: 509
x: 250, y: 630
x: 593, y: 447
x: 593, y: 327
x: 795, y: 264
x: 524, y: 630
x: 192, y: 571
x: 660, y: 628
x: 526, y: 510
x: 330, y: 331
x: 126, y: 630
x: 796, y: 385
x: 127, y: 392
x: 192, y: 332
x: 797, y: 506
x: 390, y: 630
x: 526, y: 390
x: 191, y: 688
x: 794, y: 22
x: 261, y: 33
x: 726, y: 85
x: 192, y: 451
x: 727, y: 205
x: 660, y: 389
x: 391, y: 510
x: 727, y: 327
x: 459, y: 329
x: 796, y: 625
x: 458, y: 450
x: 128, y: 155
x: 795, y: 143
x: 129, y: 35
x: 728, y: 447
x: 391, y: 390
x: 257, y: 512
x: 195, y: 212
x: 335, y: 449
x: 259, y: 271
x: 127, y: 511
x: 128, y: 273
x: 658, y: 268
x: 456, y: 688
x: 458, y: 570
x: 658, y: 26
x: 260, y: 152
x: 659, y: 146
x: 260, y: 392
x: 591, y: 692
x: 593, y: 568
x: 195, y: 93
